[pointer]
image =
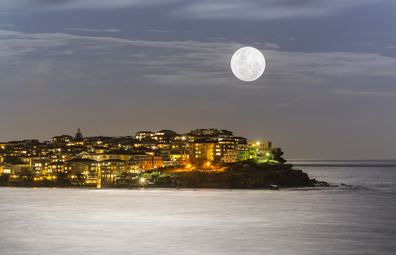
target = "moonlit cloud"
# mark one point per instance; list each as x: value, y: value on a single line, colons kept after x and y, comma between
x: 271, y: 45
x: 171, y: 63
x: 334, y: 63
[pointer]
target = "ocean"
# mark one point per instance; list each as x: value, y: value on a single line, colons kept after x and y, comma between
x: 356, y: 218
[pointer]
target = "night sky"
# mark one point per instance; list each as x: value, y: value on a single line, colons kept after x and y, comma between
x: 116, y: 67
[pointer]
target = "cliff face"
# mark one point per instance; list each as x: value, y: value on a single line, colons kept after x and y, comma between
x: 281, y: 175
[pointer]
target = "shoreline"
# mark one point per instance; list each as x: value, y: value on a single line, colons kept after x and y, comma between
x: 263, y: 177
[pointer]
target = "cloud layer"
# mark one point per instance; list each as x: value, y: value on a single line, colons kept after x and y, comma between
x: 208, y: 9
x: 174, y: 62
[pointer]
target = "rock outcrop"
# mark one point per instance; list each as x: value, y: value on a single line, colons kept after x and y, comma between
x: 249, y: 177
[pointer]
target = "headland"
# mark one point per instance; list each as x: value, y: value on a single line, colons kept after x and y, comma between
x: 201, y: 158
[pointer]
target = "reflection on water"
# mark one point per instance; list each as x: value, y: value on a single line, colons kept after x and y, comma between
x: 167, y: 221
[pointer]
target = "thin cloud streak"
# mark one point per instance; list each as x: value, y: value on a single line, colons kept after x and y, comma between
x: 91, y: 30
x: 160, y: 31
x: 271, y: 46
x: 362, y: 93
x: 51, y: 5
x: 12, y: 13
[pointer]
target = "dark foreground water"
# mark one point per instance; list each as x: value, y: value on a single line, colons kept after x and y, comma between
x: 343, y: 220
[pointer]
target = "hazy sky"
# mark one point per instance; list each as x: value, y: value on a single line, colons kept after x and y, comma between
x: 121, y: 66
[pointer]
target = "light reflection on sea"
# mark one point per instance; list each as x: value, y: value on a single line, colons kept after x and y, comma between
x: 167, y: 221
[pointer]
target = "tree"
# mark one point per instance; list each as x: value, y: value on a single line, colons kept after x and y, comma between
x: 78, y: 137
x: 61, y: 176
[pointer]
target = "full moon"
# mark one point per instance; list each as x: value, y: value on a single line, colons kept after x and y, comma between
x: 247, y: 64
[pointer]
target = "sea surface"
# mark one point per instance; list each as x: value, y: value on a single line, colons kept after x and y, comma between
x: 356, y: 219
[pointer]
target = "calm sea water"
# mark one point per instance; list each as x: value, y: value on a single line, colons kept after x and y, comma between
x: 337, y: 220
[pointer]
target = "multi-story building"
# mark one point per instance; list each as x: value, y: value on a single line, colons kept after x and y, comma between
x: 58, y: 157
x: 224, y: 134
x: 188, y: 137
x: 163, y: 146
x: 97, y: 149
x: 210, y: 149
x: 223, y: 146
x: 5, y: 168
x: 204, y: 131
x: 246, y: 154
x: 260, y: 146
x: 55, y: 168
x: 150, y: 144
x: 150, y: 163
x: 177, y: 155
x: 75, y: 143
x: 236, y: 155
x: 179, y: 145
x: 111, y: 170
x: 230, y: 156
x: 62, y: 139
x: 165, y: 136
x: 144, y: 135
x: 240, y: 142
x: 118, y: 154
x: 99, y: 141
x: 20, y: 169
x: 202, y: 150
x: 80, y: 167
x: 133, y: 165
x: 37, y: 165
x: 103, y: 156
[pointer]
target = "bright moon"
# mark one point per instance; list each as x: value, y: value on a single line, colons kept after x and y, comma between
x: 247, y: 64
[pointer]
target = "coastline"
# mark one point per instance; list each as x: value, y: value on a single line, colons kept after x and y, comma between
x: 250, y: 177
